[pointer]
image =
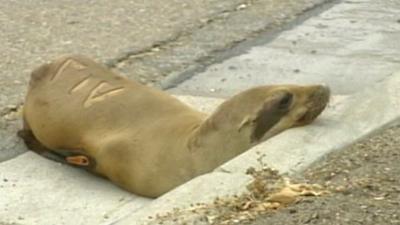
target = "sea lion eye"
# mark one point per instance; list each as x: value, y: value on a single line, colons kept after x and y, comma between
x: 286, y: 100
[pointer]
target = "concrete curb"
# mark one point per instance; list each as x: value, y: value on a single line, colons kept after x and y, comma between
x: 347, y: 120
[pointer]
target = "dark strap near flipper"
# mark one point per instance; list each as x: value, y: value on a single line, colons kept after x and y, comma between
x: 71, y: 157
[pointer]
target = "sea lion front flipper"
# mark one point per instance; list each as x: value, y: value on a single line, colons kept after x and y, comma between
x: 247, y: 118
x: 77, y: 158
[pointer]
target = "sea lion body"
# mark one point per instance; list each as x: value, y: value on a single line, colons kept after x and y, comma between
x: 145, y: 140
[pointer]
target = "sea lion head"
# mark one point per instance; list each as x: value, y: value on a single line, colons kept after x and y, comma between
x: 306, y: 105
x: 262, y: 112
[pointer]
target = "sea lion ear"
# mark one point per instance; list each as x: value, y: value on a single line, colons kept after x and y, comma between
x: 272, y: 110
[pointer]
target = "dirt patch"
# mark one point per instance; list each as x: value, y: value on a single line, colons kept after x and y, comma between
x: 368, y: 175
x: 268, y: 192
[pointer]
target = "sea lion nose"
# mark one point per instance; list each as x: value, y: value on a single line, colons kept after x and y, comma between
x: 325, y: 89
x: 320, y: 94
x: 318, y: 100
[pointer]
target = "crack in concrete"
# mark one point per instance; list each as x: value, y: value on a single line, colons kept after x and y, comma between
x: 365, y: 55
x: 10, y: 109
x: 128, y: 54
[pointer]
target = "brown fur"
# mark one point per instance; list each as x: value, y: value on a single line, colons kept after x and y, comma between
x: 143, y: 139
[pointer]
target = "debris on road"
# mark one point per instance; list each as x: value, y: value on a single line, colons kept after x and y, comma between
x: 267, y: 193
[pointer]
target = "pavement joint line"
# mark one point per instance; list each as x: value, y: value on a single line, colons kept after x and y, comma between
x: 133, y: 53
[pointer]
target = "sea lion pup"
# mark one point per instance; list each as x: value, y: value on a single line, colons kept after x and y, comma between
x: 145, y: 140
